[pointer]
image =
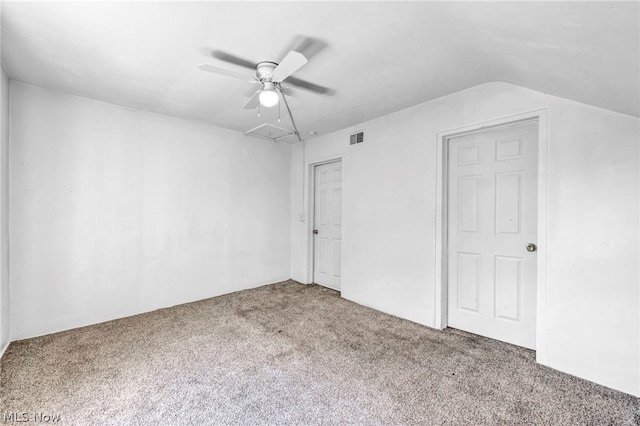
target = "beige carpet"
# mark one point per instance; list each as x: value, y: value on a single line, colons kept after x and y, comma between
x: 291, y: 354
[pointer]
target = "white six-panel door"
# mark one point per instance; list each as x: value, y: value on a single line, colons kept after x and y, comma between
x: 327, y: 235
x: 492, y: 217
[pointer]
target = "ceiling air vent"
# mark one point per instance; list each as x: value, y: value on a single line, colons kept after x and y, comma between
x: 357, y: 137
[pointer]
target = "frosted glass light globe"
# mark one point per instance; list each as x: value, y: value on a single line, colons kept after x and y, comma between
x: 268, y: 98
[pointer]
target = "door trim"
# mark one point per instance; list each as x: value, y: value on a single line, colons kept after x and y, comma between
x: 441, y: 285
x: 310, y: 208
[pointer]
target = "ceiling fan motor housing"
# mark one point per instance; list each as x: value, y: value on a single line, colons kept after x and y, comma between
x: 264, y: 70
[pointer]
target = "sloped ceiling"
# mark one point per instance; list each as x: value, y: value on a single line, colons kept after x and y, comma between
x: 379, y: 57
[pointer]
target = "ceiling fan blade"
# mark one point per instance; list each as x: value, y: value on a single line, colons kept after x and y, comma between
x: 290, y: 64
x: 289, y: 91
x: 302, y: 96
x: 316, y: 88
x: 252, y: 102
x: 228, y: 73
x: 249, y: 91
x: 308, y: 46
x: 227, y: 57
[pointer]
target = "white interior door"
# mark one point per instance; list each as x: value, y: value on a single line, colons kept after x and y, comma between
x: 492, y: 217
x: 327, y: 230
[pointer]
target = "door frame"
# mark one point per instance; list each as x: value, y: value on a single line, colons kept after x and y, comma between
x: 311, y: 204
x: 441, y: 248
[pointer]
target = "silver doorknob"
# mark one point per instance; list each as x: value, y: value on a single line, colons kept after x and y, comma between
x: 531, y: 247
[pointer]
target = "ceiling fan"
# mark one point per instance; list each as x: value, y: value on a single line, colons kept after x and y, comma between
x: 270, y: 75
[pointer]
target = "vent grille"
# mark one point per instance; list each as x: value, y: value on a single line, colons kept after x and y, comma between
x: 357, y: 137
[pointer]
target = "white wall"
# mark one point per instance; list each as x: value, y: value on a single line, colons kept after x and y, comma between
x: 5, y: 336
x: 116, y: 211
x: 389, y: 213
x: 593, y: 310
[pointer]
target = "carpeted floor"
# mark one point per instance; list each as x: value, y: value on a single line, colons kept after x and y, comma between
x: 290, y: 354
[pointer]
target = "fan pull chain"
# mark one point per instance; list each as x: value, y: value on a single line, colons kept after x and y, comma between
x: 279, y: 111
x: 258, y: 109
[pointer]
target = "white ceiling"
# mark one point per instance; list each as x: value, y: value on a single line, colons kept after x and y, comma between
x: 380, y: 57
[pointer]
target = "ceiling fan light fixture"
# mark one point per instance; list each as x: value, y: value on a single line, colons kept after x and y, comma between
x: 268, y: 97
